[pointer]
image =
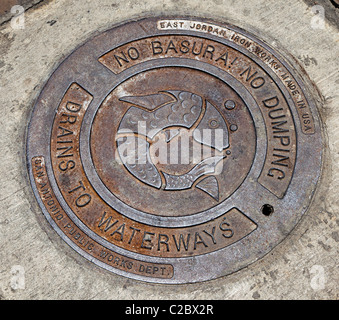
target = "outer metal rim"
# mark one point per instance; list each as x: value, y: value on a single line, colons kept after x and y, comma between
x: 239, y: 254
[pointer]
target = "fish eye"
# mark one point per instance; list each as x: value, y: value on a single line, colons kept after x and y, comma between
x: 234, y: 127
x: 229, y: 104
x: 213, y: 123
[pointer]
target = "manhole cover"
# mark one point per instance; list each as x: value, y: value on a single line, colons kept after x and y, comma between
x: 174, y: 150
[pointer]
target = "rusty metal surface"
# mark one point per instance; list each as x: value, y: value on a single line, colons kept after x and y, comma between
x: 174, y: 150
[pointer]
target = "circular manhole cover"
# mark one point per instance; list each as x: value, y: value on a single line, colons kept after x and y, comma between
x: 174, y: 150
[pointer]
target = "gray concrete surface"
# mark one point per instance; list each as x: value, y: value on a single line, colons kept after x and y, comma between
x: 36, y: 264
x: 8, y: 8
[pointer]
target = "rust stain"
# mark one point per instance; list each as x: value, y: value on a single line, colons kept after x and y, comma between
x: 113, y: 226
x: 71, y: 231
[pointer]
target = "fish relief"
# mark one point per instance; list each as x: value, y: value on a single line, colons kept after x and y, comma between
x: 167, y: 116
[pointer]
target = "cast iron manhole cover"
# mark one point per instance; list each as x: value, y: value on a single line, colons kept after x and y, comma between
x: 174, y: 150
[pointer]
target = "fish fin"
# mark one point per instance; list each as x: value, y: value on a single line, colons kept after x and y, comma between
x: 210, y: 186
x: 206, y: 166
x: 149, y: 102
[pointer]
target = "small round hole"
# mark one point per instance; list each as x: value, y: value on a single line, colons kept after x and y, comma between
x: 335, y: 3
x: 267, y: 209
